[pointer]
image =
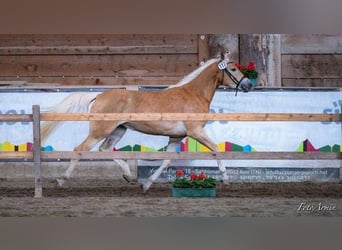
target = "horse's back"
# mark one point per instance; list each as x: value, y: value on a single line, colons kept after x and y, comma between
x: 130, y: 101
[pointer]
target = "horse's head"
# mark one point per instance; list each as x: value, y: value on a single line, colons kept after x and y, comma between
x: 243, y: 83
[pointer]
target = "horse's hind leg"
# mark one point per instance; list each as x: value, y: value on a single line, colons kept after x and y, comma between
x: 86, y: 145
x: 108, y: 144
x: 171, y: 147
x: 97, y: 132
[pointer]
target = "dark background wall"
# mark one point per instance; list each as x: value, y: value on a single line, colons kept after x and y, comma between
x: 285, y: 60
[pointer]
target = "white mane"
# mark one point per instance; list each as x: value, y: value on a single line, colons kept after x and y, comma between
x: 195, y: 73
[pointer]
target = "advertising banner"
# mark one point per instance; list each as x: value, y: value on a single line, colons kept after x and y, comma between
x: 228, y: 135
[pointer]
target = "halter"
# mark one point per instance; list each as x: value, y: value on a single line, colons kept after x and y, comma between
x: 223, y: 67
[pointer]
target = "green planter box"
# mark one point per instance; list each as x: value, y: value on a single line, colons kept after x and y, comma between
x: 254, y: 81
x: 194, y: 192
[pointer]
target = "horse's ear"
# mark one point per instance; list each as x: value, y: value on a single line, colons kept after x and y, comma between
x: 224, y: 52
x: 225, y: 55
x: 222, y: 55
x: 221, y: 50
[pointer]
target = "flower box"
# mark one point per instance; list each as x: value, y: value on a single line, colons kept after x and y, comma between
x: 196, y: 186
x: 254, y: 81
x: 194, y: 192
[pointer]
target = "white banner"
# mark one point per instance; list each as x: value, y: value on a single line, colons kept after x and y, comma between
x: 260, y: 136
x: 277, y: 136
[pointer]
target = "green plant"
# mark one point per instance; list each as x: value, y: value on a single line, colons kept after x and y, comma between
x: 194, y: 181
x: 248, y: 71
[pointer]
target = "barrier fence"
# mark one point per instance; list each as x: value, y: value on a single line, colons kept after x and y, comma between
x: 37, y: 156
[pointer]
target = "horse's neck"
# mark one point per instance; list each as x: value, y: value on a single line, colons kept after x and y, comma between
x: 205, y: 84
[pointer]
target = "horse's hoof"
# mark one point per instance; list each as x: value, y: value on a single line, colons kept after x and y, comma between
x: 59, y: 183
x: 225, y: 181
x: 142, y: 188
x: 145, y: 185
x: 127, y: 178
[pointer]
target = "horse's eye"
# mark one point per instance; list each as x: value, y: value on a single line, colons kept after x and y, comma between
x: 233, y: 69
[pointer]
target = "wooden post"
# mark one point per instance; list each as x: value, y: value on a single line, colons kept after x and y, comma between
x: 36, y: 152
x: 264, y: 51
x: 203, y: 49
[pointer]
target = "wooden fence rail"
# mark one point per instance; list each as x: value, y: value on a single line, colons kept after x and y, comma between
x: 308, y: 117
x: 37, y: 156
x: 94, y: 156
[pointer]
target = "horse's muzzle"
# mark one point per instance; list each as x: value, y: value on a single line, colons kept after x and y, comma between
x: 246, y: 85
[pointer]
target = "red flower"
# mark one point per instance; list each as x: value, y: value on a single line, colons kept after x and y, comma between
x: 193, y: 177
x: 201, y: 176
x: 248, y: 71
x: 251, y: 66
x: 179, y: 172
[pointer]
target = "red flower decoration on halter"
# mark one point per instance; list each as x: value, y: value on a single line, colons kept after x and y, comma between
x: 251, y: 66
x: 179, y: 172
x: 248, y: 71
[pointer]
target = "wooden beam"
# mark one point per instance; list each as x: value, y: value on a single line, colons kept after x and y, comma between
x: 192, y: 155
x: 71, y: 65
x: 16, y: 117
x: 325, y: 66
x: 58, y: 40
x: 16, y: 155
x: 312, y: 82
x: 309, y: 117
x: 311, y: 44
x: 66, y: 155
x: 190, y: 117
x: 99, y: 50
x: 127, y: 78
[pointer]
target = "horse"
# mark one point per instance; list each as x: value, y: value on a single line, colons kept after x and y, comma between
x: 192, y: 94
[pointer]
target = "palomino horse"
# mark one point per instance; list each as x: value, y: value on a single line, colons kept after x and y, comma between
x: 192, y: 94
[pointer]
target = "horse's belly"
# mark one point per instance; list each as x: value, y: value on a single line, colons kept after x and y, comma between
x: 173, y: 129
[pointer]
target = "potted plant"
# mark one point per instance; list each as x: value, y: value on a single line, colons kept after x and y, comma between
x: 194, y: 186
x: 249, y: 71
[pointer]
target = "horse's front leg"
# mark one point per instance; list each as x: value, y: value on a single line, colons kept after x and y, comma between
x: 171, y: 147
x: 201, y: 136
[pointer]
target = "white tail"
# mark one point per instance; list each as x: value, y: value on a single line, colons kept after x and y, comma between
x: 74, y: 103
